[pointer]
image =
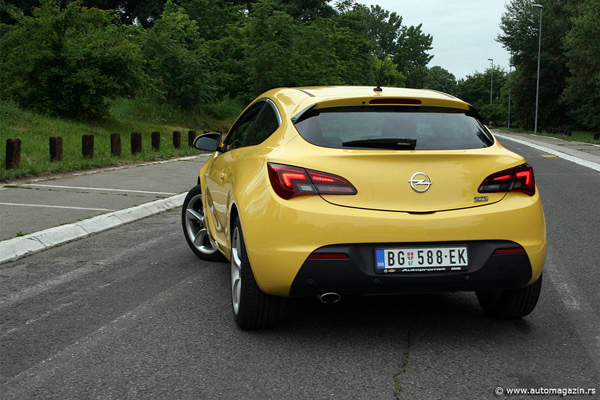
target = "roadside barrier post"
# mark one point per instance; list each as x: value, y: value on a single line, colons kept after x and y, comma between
x: 115, y: 144
x: 56, y: 148
x: 13, y: 153
x: 136, y: 143
x: 177, y: 139
x: 191, y: 137
x: 156, y: 141
x: 87, y: 146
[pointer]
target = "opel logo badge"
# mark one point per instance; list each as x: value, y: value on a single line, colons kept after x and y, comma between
x: 420, y: 182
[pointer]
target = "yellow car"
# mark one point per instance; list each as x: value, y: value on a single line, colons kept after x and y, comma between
x: 335, y: 191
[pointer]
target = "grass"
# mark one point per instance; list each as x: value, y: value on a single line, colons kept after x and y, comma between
x: 577, y: 136
x: 126, y: 116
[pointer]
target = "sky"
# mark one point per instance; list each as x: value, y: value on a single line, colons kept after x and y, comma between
x: 464, y: 31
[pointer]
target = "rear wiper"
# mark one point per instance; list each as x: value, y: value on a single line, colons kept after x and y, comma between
x: 384, y: 143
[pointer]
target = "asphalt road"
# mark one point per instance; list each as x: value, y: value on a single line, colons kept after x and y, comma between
x: 131, y: 313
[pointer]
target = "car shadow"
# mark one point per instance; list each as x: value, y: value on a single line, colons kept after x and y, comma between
x: 438, y: 314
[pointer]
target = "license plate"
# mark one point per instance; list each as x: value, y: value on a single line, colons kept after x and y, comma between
x: 430, y: 259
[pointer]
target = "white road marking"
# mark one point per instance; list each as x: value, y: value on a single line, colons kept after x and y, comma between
x: 45, y: 369
x: 99, y: 189
x: 51, y: 206
x: 34, y: 320
x: 576, y: 160
x: 42, y: 287
x: 45, y: 286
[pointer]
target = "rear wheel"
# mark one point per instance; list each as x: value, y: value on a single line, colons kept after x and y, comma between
x: 194, y: 229
x: 252, y: 308
x: 510, y: 304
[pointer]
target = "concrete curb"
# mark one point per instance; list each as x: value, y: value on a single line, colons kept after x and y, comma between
x: 546, y: 149
x: 16, y: 248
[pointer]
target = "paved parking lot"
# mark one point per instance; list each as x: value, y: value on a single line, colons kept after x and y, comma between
x: 33, y: 205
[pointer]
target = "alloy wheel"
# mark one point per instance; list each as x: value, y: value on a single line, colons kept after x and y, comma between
x: 195, y: 228
x: 236, y: 272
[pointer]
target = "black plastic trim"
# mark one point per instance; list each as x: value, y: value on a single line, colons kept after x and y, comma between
x: 298, y: 116
x: 357, y: 275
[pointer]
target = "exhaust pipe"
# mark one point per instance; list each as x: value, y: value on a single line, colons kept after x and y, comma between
x: 329, y: 297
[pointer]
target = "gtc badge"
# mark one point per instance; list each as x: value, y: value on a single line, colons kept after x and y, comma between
x: 420, y: 182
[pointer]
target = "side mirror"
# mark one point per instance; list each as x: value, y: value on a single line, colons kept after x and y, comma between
x: 208, y: 141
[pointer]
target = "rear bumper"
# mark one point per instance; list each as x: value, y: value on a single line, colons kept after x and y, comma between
x: 281, y: 235
x: 356, y: 275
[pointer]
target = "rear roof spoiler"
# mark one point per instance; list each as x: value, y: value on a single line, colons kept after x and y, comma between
x: 472, y: 112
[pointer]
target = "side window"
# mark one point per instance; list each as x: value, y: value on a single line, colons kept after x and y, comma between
x: 242, y: 128
x: 266, y: 124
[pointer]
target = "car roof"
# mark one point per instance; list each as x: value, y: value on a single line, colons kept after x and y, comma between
x: 294, y: 100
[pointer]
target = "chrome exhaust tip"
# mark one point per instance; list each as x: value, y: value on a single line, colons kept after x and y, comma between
x: 329, y: 297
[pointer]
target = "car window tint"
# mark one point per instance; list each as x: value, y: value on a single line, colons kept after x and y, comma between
x: 266, y: 124
x: 243, y: 127
x: 433, y: 128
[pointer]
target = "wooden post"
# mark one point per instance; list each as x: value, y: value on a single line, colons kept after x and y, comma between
x: 597, y: 136
x: 56, y: 148
x: 115, y: 144
x: 13, y: 153
x: 156, y: 140
x: 87, y: 146
x: 191, y: 137
x: 136, y: 143
x: 177, y: 139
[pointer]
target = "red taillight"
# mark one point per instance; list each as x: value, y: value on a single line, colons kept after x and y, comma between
x: 519, y: 179
x: 288, y: 181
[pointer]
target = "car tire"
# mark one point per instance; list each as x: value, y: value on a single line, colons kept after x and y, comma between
x: 252, y: 308
x: 510, y: 304
x: 194, y: 230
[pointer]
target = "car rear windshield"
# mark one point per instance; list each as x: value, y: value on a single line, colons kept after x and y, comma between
x: 393, y: 127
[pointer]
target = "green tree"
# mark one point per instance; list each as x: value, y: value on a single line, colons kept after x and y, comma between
x: 178, y: 60
x: 304, y: 10
x: 356, y: 46
x: 143, y: 12
x: 520, y: 27
x: 68, y: 61
x: 384, y: 28
x: 336, y: 51
x: 412, y: 57
x: 441, y: 79
x: 388, y: 73
x: 582, y: 50
x: 307, y: 10
x: 475, y: 90
x: 213, y: 17
x: 271, y: 56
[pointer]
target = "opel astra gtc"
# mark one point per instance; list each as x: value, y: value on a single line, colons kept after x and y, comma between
x: 334, y: 191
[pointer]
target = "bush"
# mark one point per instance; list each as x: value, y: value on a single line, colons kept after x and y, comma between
x: 67, y: 62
